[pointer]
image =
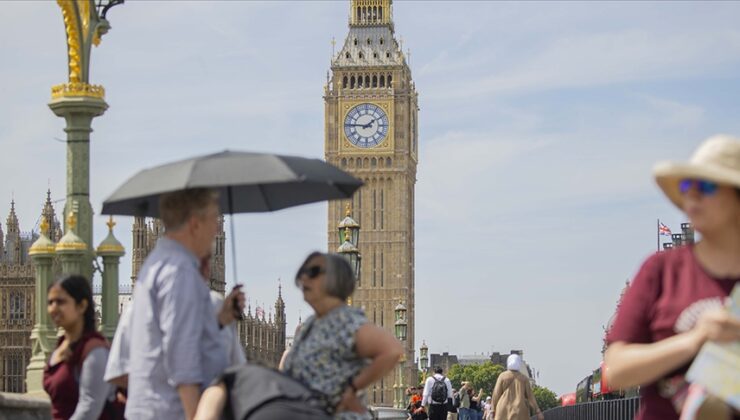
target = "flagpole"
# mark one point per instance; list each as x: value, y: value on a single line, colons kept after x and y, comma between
x: 657, y: 230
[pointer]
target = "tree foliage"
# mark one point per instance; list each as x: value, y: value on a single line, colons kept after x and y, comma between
x: 480, y: 376
x: 546, y: 399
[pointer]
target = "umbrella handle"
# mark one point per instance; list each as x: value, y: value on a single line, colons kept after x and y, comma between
x: 230, y: 199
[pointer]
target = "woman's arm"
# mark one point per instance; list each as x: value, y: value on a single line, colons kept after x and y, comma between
x: 371, y: 342
x: 497, y: 391
x: 532, y: 400
x: 212, y: 402
x: 637, y: 364
x: 375, y: 343
x: 93, y: 388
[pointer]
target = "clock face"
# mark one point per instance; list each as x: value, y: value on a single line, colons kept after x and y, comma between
x: 366, y: 125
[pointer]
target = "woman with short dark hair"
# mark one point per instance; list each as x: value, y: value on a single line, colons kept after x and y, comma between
x: 73, y: 376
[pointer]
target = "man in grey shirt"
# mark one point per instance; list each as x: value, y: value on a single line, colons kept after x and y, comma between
x: 175, y: 348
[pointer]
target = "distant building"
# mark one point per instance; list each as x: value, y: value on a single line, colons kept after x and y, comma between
x: 444, y: 360
x: 686, y: 237
x: 17, y: 295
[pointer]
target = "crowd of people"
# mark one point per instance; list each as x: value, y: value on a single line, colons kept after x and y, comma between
x: 510, y: 399
x: 175, y: 356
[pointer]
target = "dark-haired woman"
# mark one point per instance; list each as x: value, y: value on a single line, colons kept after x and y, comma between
x: 73, y: 377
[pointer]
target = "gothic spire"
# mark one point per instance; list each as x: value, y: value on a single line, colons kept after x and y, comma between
x: 12, y: 222
x: 49, y: 215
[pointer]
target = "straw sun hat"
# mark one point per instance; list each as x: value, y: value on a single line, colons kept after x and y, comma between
x: 717, y: 159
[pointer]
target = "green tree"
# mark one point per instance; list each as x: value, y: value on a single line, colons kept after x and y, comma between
x: 480, y: 376
x: 546, y: 399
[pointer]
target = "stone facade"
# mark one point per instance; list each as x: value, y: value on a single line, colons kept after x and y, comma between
x: 17, y: 295
x: 371, y: 132
x: 262, y: 335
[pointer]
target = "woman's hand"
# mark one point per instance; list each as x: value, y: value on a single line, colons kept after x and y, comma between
x: 540, y: 416
x: 717, y: 325
x: 350, y: 402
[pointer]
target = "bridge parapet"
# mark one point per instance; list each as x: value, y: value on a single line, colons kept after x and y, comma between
x: 620, y: 409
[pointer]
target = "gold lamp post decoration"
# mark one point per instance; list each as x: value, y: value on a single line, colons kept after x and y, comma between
x: 85, y: 24
x: 111, y: 251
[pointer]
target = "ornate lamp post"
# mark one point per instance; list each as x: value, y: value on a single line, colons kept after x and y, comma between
x: 349, y: 237
x: 78, y: 102
x: 401, y: 330
x: 424, y: 358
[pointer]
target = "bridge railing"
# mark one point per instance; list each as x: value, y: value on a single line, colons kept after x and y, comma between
x: 621, y: 409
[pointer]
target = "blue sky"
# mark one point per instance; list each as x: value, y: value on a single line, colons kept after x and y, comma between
x: 539, y: 124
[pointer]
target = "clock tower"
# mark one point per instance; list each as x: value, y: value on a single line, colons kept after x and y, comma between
x: 371, y: 132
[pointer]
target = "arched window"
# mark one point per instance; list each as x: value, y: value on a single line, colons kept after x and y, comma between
x: 369, y: 41
x: 344, y: 162
x: 344, y: 82
x: 375, y: 13
x: 346, y: 55
x: 380, y: 15
x: 388, y: 54
x: 382, y: 80
x: 359, y: 163
x: 390, y: 80
x: 359, y: 81
x: 375, y: 55
x: 381, y: 39
x: 352, y: 82
x: 375, y: 81
x: 366, y: 162
x: 355, y: 41
x: 387, y: 162
x: 373, y: 163
x: 367, y: 81
x: 359, y: 14
x: 360, y: 54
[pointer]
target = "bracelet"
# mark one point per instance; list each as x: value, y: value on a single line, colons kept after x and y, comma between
x: 352, y: 385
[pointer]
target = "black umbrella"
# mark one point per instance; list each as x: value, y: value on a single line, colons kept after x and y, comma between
x: 247, y: 183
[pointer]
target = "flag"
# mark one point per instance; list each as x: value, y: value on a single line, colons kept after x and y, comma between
x: 259, y: 313
x: 663, y: 229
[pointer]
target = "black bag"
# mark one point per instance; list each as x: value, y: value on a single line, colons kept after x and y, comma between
x: 439, y: 390
x: 259, y: 393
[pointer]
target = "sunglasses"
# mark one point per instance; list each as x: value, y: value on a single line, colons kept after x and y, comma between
x: 311, y: 272
x: 704, y: 187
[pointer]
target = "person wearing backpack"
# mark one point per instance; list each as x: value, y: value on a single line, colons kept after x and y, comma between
x: 437, y: 392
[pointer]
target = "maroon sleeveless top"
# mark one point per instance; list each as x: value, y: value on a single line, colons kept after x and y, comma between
x: 61, y: 381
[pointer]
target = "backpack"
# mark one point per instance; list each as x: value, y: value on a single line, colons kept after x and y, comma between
x: 439, y: 390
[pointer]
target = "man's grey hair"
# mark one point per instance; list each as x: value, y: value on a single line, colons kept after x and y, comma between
x: 340, y: 279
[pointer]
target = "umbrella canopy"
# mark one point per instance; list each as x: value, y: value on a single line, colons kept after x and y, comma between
x: 247, y: 183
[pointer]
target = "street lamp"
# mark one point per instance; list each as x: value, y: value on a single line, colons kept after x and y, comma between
x: 401, y: 330
x: 349, y: 223
x: 424, y: 357
x: 349, y: 237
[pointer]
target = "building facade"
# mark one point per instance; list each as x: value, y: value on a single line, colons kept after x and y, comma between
x: 262, y: 335
x: 17, y: 295
x: 371, y: 132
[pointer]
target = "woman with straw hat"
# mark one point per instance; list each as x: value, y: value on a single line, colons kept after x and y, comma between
x: 676, y: 302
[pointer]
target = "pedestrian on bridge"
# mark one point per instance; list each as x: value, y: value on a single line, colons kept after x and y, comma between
x: 676, y: 301
x: 512, y: 395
